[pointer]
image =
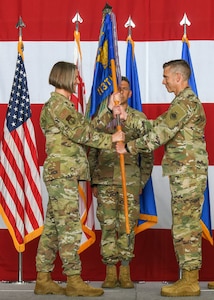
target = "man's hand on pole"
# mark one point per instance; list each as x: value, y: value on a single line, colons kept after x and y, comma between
x: 118, y: 136
x: 119, y: 110
x: 120, y: 147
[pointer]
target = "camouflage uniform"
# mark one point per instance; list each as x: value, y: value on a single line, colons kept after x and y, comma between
x: 66, y: 132
x: 106, y: 175
x: 181, y: 130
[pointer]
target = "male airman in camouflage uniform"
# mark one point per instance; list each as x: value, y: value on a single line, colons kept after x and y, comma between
x: 181, y: 130
x: 107, y: 187
x: 66, y: 133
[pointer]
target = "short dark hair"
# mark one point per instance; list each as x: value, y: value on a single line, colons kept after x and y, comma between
x: 179, y: 65
x: 124, y: 78
x: 62, y: 76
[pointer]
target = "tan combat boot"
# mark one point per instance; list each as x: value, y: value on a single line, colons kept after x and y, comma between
x: 187, y: 286
x: 111, y: 277
x: 45, y: 285
x: 77, y: 287
x: 124, y: 278
x: 211, y: 285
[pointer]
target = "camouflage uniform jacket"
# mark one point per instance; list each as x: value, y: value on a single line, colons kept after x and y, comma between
x: 66, y: 132
x: 181, y: 130
x: 105, y: 163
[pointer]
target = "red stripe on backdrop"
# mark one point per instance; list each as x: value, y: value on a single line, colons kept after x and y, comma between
x: 155, y: 20
x: 151, y: 110
x: 154, y: 259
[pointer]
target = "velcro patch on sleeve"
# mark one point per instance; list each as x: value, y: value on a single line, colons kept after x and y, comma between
x: 174, y: 116
x: 64, y: 114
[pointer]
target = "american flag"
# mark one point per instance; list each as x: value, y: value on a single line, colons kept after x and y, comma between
x: 20, y: 183
x: 86, y: 206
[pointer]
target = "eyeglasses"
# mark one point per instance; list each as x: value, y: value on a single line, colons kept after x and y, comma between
x: 123, y: 88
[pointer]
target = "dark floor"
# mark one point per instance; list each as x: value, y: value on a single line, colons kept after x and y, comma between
x: 141, y: 291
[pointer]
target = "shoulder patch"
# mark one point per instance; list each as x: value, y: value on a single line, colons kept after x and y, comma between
x: 175, y: 116
x: 64, y: 113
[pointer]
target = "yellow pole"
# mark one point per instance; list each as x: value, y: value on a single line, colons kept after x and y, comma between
x: 122, y: 162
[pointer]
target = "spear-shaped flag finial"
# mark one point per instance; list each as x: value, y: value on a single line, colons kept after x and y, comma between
x: 130, y: 24
x: 20, y: 25
x: 184, y: 22
x: 77, y: 19
x: 107, y: 9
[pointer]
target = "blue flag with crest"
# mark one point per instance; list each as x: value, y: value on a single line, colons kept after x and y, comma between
x: 148, y: 213
x: 205, y: 217
x: 106, y: 66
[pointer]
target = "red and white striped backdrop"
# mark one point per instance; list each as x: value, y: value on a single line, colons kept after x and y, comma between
x: 48, y: 38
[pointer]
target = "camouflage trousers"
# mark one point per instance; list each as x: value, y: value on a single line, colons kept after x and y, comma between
x: 62, y: 229
x: 115, y: 244
x: 187, y: 199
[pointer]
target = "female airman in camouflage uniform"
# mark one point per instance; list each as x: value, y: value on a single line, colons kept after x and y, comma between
x: 66, y: 133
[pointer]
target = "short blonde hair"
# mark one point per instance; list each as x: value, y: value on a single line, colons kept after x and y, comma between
x: 62, y: 76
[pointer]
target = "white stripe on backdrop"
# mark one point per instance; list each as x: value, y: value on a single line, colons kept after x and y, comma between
x: 162, y: 198
x: 150, y: 57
